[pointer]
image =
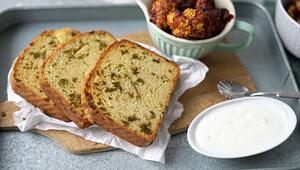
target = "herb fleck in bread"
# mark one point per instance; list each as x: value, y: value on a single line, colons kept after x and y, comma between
x: 64, y: 71
x: 129, y: 90
x: 24, y: 78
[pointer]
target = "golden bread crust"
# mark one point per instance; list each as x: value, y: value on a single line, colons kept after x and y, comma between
x: 26, y: 92
x: 64, y: 106
x: 101, y: 118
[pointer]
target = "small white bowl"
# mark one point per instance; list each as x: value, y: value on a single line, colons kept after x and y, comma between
x: 287, y: 115
x: 288, y: 28
x: 172, y: 45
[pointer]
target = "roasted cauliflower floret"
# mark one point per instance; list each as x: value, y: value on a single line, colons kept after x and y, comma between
x: 188, y: 24
x: 159, y: 11
x: 189, y: 19
x: 294, y: 10
x: 196, y: 24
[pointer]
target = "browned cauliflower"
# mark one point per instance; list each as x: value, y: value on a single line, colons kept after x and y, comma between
x: 189, y: 19
x: 294, y: 10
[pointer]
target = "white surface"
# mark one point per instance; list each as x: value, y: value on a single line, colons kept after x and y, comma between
x: 241, y: 127
x: 288, y: 28
x: 192, y: 73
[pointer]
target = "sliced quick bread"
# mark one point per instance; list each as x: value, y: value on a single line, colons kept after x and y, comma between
x: 24, y: 77
x: 64, y: 71
x: 129, y: 90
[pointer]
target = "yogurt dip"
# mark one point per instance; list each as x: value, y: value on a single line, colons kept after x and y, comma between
x: 241, y: 127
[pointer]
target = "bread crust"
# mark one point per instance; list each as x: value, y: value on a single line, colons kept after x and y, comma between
x: 20, y: 88
x: 100, y: 118
x: 53, y: 94
x: 62, y: 104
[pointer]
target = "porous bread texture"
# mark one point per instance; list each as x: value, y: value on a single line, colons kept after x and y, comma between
x: 62, y: 75
x: 129, y: 90
x: 24, y: 77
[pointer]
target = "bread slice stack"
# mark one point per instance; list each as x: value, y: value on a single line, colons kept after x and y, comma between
x: 128, y: 91
x: 62, y: 75
x: 25, y: 72
x: 90, y: 78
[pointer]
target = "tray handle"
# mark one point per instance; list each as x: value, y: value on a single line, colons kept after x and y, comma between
x: 242, y: 26
x: 7, y: 122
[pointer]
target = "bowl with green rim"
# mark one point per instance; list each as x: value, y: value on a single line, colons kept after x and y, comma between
x: 197, y: 49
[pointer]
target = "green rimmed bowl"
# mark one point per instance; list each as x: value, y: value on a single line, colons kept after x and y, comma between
x: 197, y: 49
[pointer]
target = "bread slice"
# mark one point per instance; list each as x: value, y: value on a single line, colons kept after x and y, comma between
x: 64, y: 71
x: 129, y: 90
x: 24, y: 77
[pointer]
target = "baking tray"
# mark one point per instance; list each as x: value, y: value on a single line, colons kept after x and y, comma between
x: 265, y: 60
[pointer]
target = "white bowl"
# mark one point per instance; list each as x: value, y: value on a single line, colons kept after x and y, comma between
x: 286, y: 122
x: 172, y: 45
x: 288, y: 28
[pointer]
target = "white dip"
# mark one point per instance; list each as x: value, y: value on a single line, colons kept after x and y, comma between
x: 242, y: 128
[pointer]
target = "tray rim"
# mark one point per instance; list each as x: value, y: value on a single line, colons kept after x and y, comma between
x: 262, y: 7
x: 275, y: 33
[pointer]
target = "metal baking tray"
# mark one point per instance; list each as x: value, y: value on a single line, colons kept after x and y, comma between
x: 265, y: 60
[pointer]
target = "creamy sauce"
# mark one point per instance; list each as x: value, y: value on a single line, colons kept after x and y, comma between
x: 242, y: 128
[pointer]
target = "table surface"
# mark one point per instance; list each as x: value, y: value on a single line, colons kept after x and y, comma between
x: 32, y: 151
